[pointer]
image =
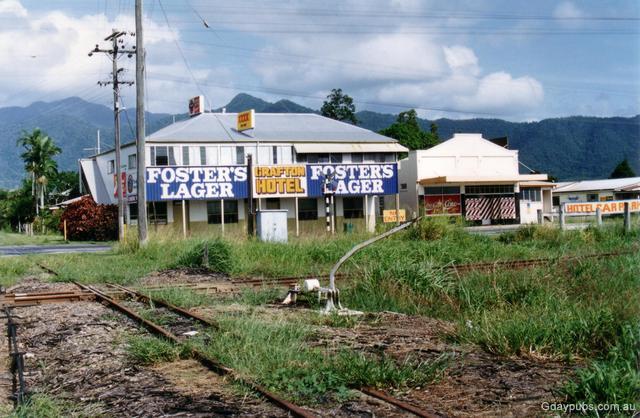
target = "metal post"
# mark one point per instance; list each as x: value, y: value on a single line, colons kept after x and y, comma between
x: 297, y: 218
x: 397, y: 208
x: 65, y: 230
x: 140, y: 131
x: 627, y: 217
x: 250, y: 192
x: 562, y: 218
x: 184, y: 219
x: 540, y: 217
x: 333, y: 216
x: 366, y: 213
x: 599, y: 216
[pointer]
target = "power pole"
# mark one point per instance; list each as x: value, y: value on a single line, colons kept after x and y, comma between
x: 140, y: 131
x: 117, y: 49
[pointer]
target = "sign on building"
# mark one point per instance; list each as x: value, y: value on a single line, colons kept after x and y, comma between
x: 196, y: 183
x: 280, y: 181
x: 390, y: 215
x: 123, y: 184
x: 196, y: 105
x: 442, y: 204
x: 615, y: 206
x: 353, y: 179
x: 246, y: 120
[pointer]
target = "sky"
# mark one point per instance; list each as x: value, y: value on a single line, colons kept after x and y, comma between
x: 517, y: 60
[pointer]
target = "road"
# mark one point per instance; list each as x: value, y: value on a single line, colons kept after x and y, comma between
x: 7, y: 250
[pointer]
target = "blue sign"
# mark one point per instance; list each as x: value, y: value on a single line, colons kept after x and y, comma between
x: 196, y: 183
x: 352, y: 179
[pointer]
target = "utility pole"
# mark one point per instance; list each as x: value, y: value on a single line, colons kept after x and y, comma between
x: 117, y: 49
x: 140, y: 131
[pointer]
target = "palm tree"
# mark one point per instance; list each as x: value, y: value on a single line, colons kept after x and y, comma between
x: 38, y: 160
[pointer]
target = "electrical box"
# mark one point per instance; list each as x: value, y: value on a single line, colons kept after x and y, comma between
x: 272, y: 225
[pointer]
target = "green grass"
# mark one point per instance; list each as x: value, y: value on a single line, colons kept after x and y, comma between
x: 45, y: 406
x: 147, y: 350
x: 182, y: 297
x: 278, y: 356
x: 9, y: 238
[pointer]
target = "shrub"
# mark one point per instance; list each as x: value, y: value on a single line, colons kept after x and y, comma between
x: 212, y: 254
x: 88, y: 221
x: 430, y: 229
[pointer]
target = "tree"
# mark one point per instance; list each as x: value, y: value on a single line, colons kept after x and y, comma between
x: 340, y: 107
x: 38, y: 161
x: 622, y: 170
x: 408, y: 132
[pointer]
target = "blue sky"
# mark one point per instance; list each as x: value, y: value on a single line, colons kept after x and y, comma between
x: 516, y: 60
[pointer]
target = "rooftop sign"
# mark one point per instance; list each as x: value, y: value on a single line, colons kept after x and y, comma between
x: 196, y: 105
x: 246, y: 120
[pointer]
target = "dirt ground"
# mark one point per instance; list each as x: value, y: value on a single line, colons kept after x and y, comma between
x: 76, y: 351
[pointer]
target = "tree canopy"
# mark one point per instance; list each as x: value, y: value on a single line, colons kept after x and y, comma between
x: 409, y: 133
x: 339, y: 106
x: 622, y: 170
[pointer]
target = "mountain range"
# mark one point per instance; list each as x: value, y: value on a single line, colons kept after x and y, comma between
x: 569, y: 148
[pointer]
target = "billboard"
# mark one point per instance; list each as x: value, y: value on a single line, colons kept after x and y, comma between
x: 196, y: 105
x: 352, y: 179
x: 614, y: 206
x: 246, y: 120
x: 442, y: 204
x: 196, y: 183
x: 280, y: 181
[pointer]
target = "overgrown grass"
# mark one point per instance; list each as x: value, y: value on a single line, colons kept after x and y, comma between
x: 182, y: 297
x: 147, y: 350
x: 278, y: 355
x: 44, y: 406
x: 9, y: 238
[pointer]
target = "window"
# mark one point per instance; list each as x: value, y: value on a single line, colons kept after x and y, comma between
x: 318, y: 158
x: 152, y: 155
x: 301, y: 158
x: 133, y: 213
x: 273, y: 203
x: 132, y: 162
x: 403, y: 186
x: 356, y: 158
x: 214, y: 211
x: 239, y: 155
x: 172, y: 156
x: 161, y: 156
x: 158, y: 213
x: 490, y: 189
x: 531, y: 194
x: 203, y: 156
x: 336, y: 158
x: 307, y: 209
x: 353, y: 207
x: 374, y: 157
x: 274, y: 153
x: 592, y: 197
x: 111, y: 166
x: 441, y: 190
x: 185, y: 156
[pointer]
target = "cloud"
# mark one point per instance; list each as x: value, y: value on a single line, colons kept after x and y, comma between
x: 13, y: 8
x: 567, y: 10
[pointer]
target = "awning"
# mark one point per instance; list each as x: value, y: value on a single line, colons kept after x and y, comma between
x: 534, y: 183
x: 94, y: 182
x: 482, y: 179
x: 348, y: 147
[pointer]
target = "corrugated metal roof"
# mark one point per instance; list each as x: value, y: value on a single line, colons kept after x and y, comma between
x: 467, y: 145
x: 348, y: 147
x: 273, y: 127
x: 590, y: 185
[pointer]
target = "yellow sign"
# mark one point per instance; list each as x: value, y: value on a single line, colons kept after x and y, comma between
x: 246, y: 120
x: 616, y: 206
x: 390, y: 215
x: 280, y: 181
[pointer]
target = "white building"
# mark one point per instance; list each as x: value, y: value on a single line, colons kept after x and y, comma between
x: 198, y: 167
x: 470, y: 176
x: 596, y: 190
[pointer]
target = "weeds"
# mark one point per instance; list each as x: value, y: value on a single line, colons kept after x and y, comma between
x: 148, y: 350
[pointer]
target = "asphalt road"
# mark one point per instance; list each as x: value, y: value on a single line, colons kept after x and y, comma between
x: 6, y: 250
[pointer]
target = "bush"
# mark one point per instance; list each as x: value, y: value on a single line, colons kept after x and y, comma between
x: 88, y: 221
x: 430, y: 229
x: 212, y: 254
